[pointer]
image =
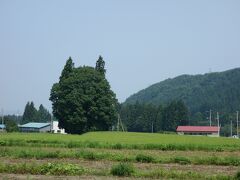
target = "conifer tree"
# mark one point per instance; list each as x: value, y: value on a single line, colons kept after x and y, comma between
x: 43, y: 114
x: 100, y: 65
x: 30, y: 113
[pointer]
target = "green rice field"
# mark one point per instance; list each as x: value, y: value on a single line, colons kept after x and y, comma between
x: 113, y: 155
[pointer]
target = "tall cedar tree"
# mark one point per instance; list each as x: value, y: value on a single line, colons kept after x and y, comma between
x: 30, y: 113
x: 100, y: 64
x: 43, y: 114
x: 82, y: 100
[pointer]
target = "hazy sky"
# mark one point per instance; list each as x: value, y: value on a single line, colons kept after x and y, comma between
x: 141, y: 41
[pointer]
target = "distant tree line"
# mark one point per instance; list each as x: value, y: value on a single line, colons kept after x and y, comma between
x: 31, y: 114
x: 140, y: 117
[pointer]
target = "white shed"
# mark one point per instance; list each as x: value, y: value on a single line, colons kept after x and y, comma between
x: 55, y: 128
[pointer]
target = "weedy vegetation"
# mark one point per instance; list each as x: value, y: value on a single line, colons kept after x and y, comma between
x: 138, y: 155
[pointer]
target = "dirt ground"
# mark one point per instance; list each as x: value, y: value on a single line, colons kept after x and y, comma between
x: 43, y: 177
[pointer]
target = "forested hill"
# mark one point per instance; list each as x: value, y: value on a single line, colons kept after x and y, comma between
x: 219, y: 91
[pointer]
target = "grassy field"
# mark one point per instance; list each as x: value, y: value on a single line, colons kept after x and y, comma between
x: 113, y: 154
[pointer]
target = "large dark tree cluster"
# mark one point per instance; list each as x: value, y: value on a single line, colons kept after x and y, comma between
x: 140, y: 117
x: 31, y: 114
x: 82, y: 100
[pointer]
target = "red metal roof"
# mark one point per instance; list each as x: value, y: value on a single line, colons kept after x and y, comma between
x: 197, y: 129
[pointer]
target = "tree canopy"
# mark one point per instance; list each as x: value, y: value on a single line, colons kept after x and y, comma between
x: 82, y: 100
x: 31, y: 114
x: 216, y: 91
x: 11, y: 125
x: 142, y: 117
x: 100, y: 65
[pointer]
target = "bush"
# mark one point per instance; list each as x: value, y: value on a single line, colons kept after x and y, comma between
x: 72, y: 144
x: 237, y: 176
x: 89, y: 155
x: 117, y: 146
x: 3, y: 143
x: 144, y: 158
x: 61, y: 169
x: 122, y: 169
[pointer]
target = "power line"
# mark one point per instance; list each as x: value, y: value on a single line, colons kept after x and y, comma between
x: 218, y: 124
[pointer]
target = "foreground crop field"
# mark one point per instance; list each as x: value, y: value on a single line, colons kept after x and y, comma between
x: 109, y: 155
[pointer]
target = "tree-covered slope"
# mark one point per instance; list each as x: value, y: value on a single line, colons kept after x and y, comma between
x: 218, y: 91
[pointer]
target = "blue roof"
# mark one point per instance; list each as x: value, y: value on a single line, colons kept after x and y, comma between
x: 2, y: 126
x: 35, y: 125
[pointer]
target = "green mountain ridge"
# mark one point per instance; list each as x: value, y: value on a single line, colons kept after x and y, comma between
x: 219, y: 91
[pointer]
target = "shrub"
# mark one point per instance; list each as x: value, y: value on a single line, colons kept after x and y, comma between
x: 117, y: 146
x: 89, y: 155
x: 144, y: 158
x: 122, y: 169
x: 219, y: 149
x: 237, y: 176
x: 24, y: 154
x: 61, y: 169
x: 92, y: 144
x: 3, y: 143
x: 71, y: 144
x: 234, y: 161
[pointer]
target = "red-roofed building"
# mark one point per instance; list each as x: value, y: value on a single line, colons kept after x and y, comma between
x: 199, y: 130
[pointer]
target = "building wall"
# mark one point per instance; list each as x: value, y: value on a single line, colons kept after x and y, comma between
x: 45, y: 129
x: 213, y: 134
x: 24, y: 129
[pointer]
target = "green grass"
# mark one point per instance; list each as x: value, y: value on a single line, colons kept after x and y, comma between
x: 119, y: 140
x: 120, y: 149
x: 119, y: 155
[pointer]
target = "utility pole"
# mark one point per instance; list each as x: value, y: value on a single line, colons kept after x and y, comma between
x: 118, y: 123
x: 237, y: 125
x: 210, y: 117
x: 2, y: 117
x: 51, y: 125
x: 218, y: 124
x: 231, y: 128
x: 152, y: 126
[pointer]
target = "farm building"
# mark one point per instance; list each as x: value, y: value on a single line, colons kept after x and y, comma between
x: 2, y: 127
x: 35, y: 127
x: 199, y: 130
x: 55, y: 128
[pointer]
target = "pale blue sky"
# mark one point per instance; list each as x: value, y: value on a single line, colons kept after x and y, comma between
x: 142, y: 42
